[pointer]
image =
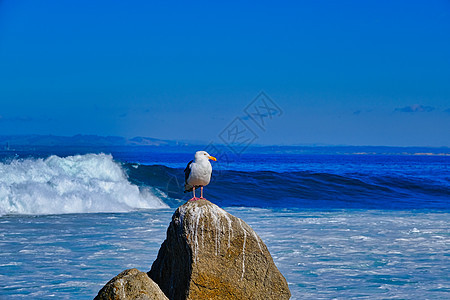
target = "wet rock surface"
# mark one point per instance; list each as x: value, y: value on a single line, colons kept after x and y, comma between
x: 211, y: 254
x: 131, y: 284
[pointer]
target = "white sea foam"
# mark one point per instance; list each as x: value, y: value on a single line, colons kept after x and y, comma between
x: 74, y: 184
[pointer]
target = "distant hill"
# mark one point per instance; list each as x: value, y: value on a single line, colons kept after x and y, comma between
x: 80, y: 140
x: 27, y: 142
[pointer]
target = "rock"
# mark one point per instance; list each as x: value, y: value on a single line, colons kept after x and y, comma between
x: 131, y: 284
x: 211, y: 254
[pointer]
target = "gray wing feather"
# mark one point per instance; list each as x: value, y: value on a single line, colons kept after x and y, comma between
x: 187, y: 171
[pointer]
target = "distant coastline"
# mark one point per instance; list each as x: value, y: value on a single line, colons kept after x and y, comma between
x: 18, y: 143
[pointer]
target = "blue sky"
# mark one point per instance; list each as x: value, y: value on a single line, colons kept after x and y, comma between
x: 342, y: 72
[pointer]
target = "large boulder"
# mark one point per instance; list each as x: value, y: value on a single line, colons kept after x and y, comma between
x: 211, y: 254
x: 131, y: 284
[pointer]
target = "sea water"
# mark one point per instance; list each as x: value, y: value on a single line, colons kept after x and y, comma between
x: 337, y: 226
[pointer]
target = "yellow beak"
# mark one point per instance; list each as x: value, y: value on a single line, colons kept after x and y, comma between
x: 213, y: 158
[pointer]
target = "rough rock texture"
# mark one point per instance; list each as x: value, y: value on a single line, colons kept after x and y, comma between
x: 131, y: 284
x: 210, y: 254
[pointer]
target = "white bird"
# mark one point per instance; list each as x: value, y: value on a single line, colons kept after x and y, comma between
x: 198, y: 173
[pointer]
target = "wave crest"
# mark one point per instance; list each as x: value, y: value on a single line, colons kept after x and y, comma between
x: 74, y: 184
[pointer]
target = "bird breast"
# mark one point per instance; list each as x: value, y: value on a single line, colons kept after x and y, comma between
x: 200, y: 173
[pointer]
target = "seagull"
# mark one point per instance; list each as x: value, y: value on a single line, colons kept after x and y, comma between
x: 198, y: 173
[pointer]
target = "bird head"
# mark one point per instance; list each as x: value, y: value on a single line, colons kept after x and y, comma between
x: 199, y: 155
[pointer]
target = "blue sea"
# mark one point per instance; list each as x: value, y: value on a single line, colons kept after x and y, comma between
x: 338, y: 226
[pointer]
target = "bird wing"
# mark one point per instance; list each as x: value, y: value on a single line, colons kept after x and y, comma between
x: 187, y: 172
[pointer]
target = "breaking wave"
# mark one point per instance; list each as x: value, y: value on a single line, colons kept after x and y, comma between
x: 74, y: 184
x: 305, y: 189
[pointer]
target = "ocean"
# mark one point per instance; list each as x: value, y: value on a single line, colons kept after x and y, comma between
x: 338, y: 226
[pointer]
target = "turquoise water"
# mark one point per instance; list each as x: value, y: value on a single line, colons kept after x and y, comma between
x: 337, y: 226
x: 369, y: 254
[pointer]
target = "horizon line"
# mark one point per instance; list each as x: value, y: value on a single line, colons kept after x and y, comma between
x: 198, y: 143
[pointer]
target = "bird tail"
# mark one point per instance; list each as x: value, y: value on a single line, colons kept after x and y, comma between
x: 187, y: 188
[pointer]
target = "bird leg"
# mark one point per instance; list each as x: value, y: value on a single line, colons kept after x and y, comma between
x: 193, y: 198
x: 201, y: 192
